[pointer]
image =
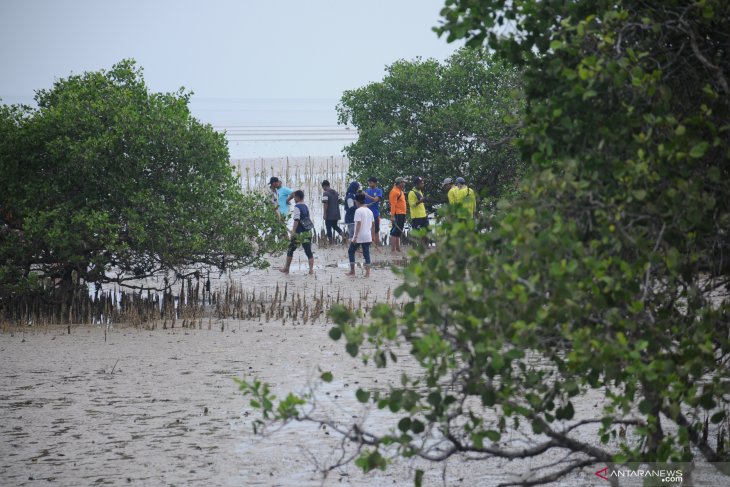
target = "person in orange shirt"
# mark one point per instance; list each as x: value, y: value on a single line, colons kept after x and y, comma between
x: 397, y: 199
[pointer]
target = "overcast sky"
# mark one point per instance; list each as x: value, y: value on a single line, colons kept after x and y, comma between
x: 217, y: 48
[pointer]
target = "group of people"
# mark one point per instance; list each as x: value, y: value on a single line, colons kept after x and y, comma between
x: 362, y: 214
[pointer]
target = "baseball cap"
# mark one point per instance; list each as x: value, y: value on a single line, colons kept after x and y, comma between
x: 273, y: 180
x: 447, y: 181
x: 417, y: 179
x: 399, y: 180
x: 460, y: 180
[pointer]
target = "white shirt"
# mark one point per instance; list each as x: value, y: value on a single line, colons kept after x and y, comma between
x: 365, y: 216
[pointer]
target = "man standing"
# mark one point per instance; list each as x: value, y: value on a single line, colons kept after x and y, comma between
x: 331, y: 204
x: 417, y: 203
x: 466, y: 196
x: 397, y: 199
x: 281, y: 196
x: 363, y: 234
x: 301, y: 233
x: 373, y: 196
x: 450, y: 189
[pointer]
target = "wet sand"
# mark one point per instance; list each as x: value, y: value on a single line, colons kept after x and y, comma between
x: 130, y: 406
x: 126, y: 406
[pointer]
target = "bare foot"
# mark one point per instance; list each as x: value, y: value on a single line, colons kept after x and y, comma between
x: 311, y: 272
x: 351, y: 274
x: 284, y: 271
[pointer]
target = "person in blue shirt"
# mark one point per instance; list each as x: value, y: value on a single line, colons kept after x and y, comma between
x: 282, y: 196
x: 373, y: 195
x: 351, y: 206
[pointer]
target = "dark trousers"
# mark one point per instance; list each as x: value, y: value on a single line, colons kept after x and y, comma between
x: 332, y: 225
x: 303, y: 238
x: 417, y: 223
x: 365, y: 252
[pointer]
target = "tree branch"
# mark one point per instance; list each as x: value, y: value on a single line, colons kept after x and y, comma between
x: 702, y: 59
x: 553, y: 476
x: 696, y: 439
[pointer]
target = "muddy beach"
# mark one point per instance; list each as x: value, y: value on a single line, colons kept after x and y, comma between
x: 132, y: 406
x: 129, y: 406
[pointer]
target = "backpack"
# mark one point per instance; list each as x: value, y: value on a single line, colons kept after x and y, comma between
x: 306, y: 223
x: 304, y: 220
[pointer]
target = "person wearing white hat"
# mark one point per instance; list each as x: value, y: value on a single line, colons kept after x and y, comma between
x: 450, y: 189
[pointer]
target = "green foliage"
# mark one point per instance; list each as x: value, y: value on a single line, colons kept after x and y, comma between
x: 262, y: 398
x: 112, y: 182
x: 437, y: 120
x: 371, y: 460
x: 605, y: 281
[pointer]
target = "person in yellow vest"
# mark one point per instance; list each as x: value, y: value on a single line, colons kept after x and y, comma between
x: 450, y: 189
x: 465, y: 196
x: 417, y: 204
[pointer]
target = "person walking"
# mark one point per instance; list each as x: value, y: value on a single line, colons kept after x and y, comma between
x: 280, y: 197
x: 363, y: 234
x: 331, y: 204
x: 350, y: 206
x: 466, y: 197
x: 417, y: 204
x: 373, y: 195
x: 397, y: 200
x: 301, y: 232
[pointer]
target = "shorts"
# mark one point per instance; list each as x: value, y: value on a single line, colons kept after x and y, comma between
x: 397, y: 224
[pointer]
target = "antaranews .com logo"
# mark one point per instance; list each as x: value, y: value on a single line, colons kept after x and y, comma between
x: 664, y: 476
x: 680, y: 474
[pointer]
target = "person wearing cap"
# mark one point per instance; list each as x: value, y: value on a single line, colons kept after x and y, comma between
x: 281, y: 195
x: 450, y: 189
x: 417, y: 204
x: 373, y: 195
x: 397, y: 200
x: 274, y: 195
x: 466, y: 196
